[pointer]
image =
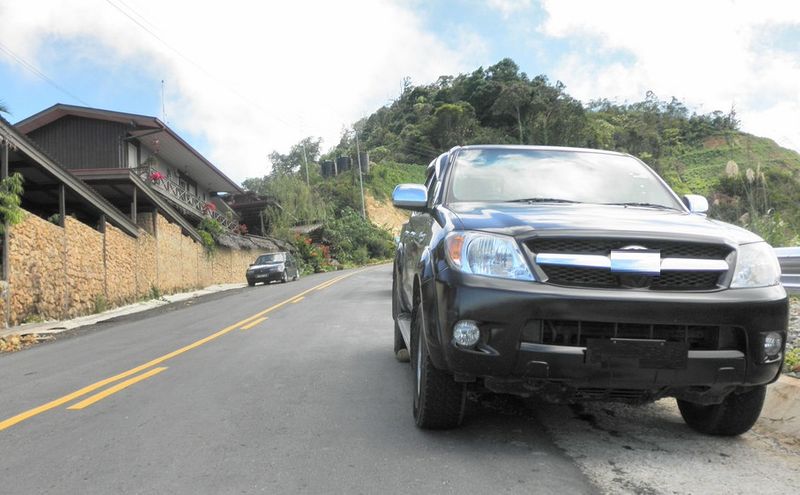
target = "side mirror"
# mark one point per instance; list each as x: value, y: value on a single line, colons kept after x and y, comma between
x: 696, y: 203
x: 412, y: 197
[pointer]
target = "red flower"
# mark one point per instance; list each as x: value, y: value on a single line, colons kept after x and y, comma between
x: 156, y: 176
x: 209, y: 207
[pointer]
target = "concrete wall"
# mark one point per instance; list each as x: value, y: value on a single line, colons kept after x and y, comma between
x: 59, y: 272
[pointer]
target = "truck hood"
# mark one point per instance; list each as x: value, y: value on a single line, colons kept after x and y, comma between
x: 523, y: 220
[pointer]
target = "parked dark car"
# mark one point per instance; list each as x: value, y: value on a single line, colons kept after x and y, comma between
x: 578, y: 275
x: 271, y: 267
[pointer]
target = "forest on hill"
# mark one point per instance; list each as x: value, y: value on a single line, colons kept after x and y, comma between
x: 748, y: 180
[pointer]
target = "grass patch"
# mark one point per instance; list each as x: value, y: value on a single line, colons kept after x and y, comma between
x: 384, y: 176
x: 792, y: 360
x: 100, y: 303
x: 13, y: 343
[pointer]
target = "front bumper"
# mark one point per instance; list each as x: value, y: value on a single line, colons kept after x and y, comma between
x: 265, y: 277
x: 506, y: 360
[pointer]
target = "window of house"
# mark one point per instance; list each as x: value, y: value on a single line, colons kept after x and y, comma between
x: 133, y: 155
x: 187, y: 184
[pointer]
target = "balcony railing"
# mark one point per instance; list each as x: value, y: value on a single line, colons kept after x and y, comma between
x: 181, y: 197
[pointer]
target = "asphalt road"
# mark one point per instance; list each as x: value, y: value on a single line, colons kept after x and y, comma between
x: 206, y: 397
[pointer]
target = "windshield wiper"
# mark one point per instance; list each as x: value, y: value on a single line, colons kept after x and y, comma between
x: 541, y: 200
x: 643, y: 205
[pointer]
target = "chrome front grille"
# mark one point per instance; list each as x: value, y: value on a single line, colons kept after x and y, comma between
x: 668, y: 249
x: 598, y: 263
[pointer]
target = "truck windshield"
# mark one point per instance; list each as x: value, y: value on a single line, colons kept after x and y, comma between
x: 555, y: 176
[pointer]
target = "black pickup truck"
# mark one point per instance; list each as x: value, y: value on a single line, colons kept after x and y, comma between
x: 577, y: 275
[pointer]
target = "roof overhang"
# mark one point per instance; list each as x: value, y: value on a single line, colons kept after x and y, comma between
x: 96, y: 177
x: 156, y: 136
x: 89, y: 195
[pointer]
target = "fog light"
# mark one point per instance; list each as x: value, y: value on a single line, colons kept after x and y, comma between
x: 466, y: 333
x: 772, y: 344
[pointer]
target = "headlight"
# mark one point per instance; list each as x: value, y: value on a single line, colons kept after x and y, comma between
x: 756, y: 266
x: 487, y: 254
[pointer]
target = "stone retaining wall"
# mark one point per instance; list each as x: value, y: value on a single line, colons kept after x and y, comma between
x: 57, y: 273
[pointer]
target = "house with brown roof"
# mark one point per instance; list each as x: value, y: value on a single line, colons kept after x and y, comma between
x: 136, y: 162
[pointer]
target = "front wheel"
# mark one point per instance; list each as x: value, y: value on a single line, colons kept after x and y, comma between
x: 438, y: 400
x: 734, y: 416
x: 284, y: 277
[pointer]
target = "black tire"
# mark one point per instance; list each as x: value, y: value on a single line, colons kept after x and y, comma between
x: 284, y: 277
x: 734, y: 416
x: 438, y: 400
x: 251, y: 283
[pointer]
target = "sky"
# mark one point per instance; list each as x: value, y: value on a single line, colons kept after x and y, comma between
x: 242, y: 79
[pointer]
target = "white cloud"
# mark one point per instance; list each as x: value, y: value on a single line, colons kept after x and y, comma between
x: 711, y: 53
x: 303, y: 67
x: 509, y: 7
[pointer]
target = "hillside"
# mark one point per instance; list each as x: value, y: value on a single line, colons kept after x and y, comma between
x: 700, y: 169
x: 698, y: 153
x: 749, y: 180
x: 382, y: 214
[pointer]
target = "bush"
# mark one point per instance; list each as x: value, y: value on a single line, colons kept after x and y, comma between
x: 209, y: 230
x: 355, y: 240
x: 792, y: 359
x: 311, y: 258
x: 100, y: 303
x: 212, y: 226
x: 209, y: 244
x: 10, y: 200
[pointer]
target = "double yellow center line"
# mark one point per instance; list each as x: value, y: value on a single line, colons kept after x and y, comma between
x: 245, y: 324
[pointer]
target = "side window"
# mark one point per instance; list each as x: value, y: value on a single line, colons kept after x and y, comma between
x: 433, y: 191
x: 430, y: 182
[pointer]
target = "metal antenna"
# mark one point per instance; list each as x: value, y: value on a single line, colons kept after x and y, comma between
x: 163, y: 106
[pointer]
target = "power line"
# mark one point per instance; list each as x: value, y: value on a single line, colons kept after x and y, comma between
x: 32, y: 68
x: 199, y: 67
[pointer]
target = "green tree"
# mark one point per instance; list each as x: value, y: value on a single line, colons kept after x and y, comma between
x: 307, y: 150
x: 514, y: 100
x: 299, y: 202
x: 10, y: 200
x: 452, y: 124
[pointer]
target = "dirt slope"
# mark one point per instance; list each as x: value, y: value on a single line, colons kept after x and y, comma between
x: 385, y: 215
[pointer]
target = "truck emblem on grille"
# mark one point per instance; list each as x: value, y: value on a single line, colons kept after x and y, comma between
x: 636, y: 260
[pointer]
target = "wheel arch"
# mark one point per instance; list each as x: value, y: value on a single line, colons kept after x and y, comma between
x: 424, y: 295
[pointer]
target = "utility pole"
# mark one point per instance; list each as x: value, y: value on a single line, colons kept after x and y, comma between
x: 360, y: 180
x: 305, y: 160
